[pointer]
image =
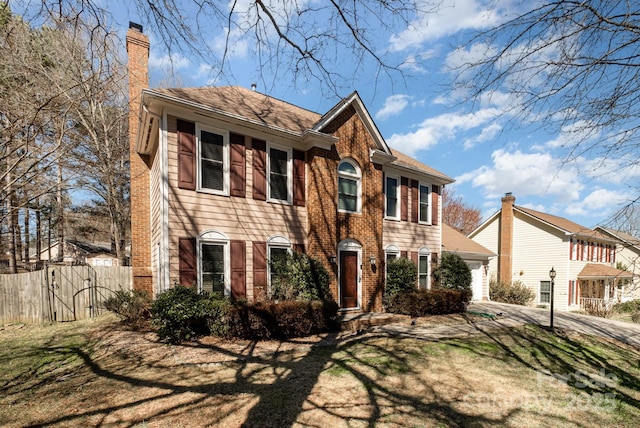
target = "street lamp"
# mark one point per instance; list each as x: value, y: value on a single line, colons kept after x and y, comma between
x: 552, y: 275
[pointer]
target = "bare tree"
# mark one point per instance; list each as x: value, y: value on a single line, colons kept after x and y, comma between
x: 308, y: 39
x: 458, y: 214
x: 572, y: 66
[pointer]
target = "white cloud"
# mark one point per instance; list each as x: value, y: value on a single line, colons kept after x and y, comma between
x: 175, y: 61
x: 444, y: 19
x: 488, y: 133
x: 599, y: 201
x: 440, y: 129
x: 393, y: 106
x: 524, y: 174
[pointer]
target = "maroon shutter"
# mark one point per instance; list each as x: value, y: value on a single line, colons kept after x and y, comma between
x: 404, y: 254
x: 435, y: 193
x: 299, y: 189
x: 238, y: 269
x: 404, y: 198
x: 415, y: 197
x: 187, y: 261
x: 259, y: 169
x: 186, y: 155
x: 237, y: 168
x: 414, y: 257
x: 299, y: 248
x: 259, y: 270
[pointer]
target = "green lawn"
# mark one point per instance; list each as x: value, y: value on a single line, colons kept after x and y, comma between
x: 93, y: 373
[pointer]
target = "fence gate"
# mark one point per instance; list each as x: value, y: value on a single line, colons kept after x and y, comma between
x: 73, y: 293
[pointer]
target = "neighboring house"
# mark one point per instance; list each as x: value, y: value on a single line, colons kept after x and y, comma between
x: 529, y: 243
x: 628, y: 257
x: 224, y: 178
x: 79, y: 253
x: 475, y: 255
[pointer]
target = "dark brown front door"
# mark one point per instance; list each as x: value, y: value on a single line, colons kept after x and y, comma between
x: 348, y: 279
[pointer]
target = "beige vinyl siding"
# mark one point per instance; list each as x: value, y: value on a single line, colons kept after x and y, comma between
x: 409, y: 236
x: 245, y: 219
x: 488, y: 238
x: 631, y: 259
x: 537, y: 248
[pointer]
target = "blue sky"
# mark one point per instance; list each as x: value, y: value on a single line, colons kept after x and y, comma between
x: 483, y: 146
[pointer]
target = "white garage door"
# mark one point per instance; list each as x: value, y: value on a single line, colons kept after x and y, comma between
x: 476, y: 280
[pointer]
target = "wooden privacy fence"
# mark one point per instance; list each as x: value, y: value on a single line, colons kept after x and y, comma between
x: 59, y: 292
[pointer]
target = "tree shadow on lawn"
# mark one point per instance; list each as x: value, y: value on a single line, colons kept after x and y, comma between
x: 276, y: 388
x: 595, y: 367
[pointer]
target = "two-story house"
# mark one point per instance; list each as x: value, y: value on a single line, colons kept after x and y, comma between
x: 530, y: 243
x: 627, y: 258
x: 224, y: 178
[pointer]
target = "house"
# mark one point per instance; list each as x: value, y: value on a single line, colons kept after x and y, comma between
x: 627, y: 258
x: 75, y: 252
x: 530, y: 243
x: 475, y: 256
x: 223, y: 178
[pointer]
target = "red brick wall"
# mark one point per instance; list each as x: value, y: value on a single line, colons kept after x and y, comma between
x: 138, y: 52
x: 327, y: 227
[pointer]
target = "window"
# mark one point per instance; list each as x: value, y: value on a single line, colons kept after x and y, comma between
x: 280, y: 182
x: 213, y: 278
x: 391, y: 191
x: 545, y: 291
x: 349, y: 187
x: 213, y: 156
x: 424, y: 196
x: 424, y: 265
x: 214, y: 263
x: 277, y: 248
x: 391, y: 253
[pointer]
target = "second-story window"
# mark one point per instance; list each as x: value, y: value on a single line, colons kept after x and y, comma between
x: 392, y: 206
x: 279, y: 175
x: 349, y: 187
x: 424, y: 196
x: 214, y: 160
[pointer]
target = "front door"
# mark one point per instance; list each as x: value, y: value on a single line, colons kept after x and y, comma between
x: 348, y: 279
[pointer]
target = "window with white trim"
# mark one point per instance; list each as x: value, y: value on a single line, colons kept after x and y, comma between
x: 391, y: 253
x: 424, y: 269
x: 392, y: 200
x: 545, y: 292
x: 214, y: 263
x: 280, y: 181
x: 424, y: 199
x: 277, y: 248
x: 349, y: 187
x: 213, y: 160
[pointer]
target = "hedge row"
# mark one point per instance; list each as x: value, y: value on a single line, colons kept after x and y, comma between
x: 430, y: 302
x: 181, y: 313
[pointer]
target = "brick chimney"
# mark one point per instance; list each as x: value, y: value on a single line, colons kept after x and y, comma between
x: 505, y: 239
x: 138, y: 71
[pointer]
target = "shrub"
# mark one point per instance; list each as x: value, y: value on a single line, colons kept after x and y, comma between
x: 297, y: 276
x: 453, y: 273
x: 431, y: 302
x: 179, y: 313
x: 635, y: 317
x: 516, y: 293
x: 132, y: 307
x: 628, y: 307
x: 402, y: 276
x: 282, y: 320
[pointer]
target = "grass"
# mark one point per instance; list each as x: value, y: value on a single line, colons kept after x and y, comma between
x: 93, y: 373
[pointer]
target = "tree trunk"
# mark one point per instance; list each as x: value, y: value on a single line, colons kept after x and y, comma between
x: 27, y: 218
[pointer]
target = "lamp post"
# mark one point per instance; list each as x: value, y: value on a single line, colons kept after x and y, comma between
x: 552, y: 275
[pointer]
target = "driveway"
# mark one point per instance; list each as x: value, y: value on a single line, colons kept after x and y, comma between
x: 505, y: 315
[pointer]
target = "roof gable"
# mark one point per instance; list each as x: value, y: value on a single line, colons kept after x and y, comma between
x: 563, y: 224
x: 456, y: 242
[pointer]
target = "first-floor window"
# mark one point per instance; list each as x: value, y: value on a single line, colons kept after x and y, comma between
x: 392, y: 253
x: 423, y: 271
x: 213, y: 280
x: 276, y: 255
x: 545, y: 291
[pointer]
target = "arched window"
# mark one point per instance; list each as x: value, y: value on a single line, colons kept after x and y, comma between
x: 277, y: 247
x: 349, y: 187
x: 214, y: 263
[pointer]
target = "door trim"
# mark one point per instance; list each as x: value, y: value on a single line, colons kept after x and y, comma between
x: 354, y: 246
